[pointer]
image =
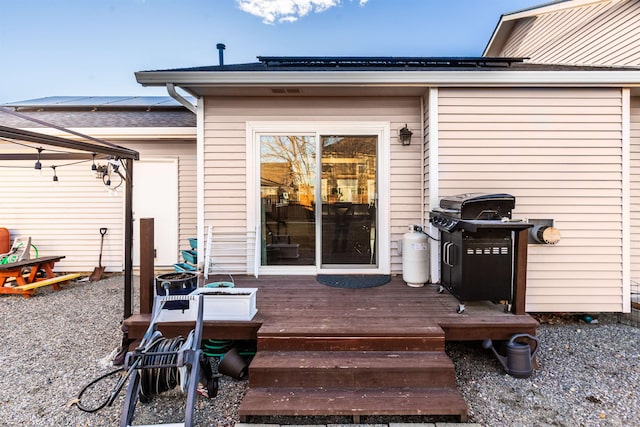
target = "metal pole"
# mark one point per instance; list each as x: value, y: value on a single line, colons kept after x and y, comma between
x: 128, y: 239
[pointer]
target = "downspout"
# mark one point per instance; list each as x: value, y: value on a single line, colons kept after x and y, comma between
x: 181, y: 99
x: 424, y: 220
x: 198, y: 110
x: 626, y: 200
x: 200, y: 226
x: 434, y: 178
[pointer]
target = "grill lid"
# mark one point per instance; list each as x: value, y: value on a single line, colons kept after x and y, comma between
x: 478, y: 206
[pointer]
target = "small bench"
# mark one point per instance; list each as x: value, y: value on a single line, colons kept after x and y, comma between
x: 26, y: 284
x: 46, y: 282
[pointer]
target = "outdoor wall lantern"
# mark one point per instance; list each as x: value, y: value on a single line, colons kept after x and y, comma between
x: 405, y: 135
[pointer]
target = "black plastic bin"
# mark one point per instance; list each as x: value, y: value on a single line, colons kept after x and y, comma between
x: 181, y: 283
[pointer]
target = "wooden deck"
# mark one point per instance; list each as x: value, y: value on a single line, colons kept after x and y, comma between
x: 299, y: 304
x: 372, y: 351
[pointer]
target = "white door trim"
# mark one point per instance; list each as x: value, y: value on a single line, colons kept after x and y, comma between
x: 379, y: 128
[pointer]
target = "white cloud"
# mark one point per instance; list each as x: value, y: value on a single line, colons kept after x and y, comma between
x: 272, y: 11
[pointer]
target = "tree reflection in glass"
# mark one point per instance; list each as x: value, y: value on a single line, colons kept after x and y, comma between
x: 287, y: 190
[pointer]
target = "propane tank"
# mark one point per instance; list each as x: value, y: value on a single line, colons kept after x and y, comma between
x: 415, y: 257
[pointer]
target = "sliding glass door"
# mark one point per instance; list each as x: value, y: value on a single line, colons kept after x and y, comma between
x: 318, y: 200
x: 348, y: 198
x: 288, y: 199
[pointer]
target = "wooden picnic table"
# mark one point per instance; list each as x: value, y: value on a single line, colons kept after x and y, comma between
x: 28, y: 282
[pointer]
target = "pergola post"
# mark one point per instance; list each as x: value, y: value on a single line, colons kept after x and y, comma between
x: 128, y: 239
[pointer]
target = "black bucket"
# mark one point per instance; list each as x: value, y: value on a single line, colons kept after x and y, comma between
x: 182, y: 283
x: 233, y: 365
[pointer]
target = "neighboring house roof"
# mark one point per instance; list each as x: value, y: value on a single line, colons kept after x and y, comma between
x: 577, y: 32
x: 97, y: 102
x: 101, y: 112
x: 508, y: 20
x: 539, y: 7
x: 332, y: 76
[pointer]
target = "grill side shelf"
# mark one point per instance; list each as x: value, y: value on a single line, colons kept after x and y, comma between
x: 474, y: 226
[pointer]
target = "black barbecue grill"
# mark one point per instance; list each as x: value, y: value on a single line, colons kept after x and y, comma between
x: 477, y: 246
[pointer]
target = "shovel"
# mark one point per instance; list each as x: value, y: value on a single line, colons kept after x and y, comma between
x: 99, y: 270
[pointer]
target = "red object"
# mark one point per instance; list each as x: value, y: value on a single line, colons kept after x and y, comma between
x: 5, y: 240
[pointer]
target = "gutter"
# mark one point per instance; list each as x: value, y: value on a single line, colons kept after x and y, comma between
x: 192, y: 79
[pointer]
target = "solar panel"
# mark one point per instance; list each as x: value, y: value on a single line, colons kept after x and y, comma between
x: 366, y: 61
x: 98, y: 101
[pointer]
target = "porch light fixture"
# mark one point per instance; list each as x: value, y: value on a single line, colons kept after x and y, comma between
x: 405, y: 135
x: 94, y: 167
x: 55, y: 176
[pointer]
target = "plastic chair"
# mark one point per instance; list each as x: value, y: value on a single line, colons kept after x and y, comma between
x: 19, y: 251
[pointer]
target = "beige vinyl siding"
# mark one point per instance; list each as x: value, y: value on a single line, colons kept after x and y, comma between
x: 559, y: 152
x: 65, y: 219
x: 604, y: 33
x: 62, y: 219
x: 635, y: 188
x: 225, y: 153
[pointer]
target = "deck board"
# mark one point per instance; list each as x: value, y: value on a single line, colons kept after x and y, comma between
x: 300, y: 305
x: 323, y: 401
x: 297, y: 305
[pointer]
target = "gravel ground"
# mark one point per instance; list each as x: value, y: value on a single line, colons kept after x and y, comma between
x: 56, y: 342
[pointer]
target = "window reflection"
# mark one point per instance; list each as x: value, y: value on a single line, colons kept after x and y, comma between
x: 349, y: 166
x: 287, y: 190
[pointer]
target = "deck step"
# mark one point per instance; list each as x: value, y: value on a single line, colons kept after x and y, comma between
x: 359, y: 334
x: 344, y: 369
x: 351, y: 343
x: 352, y: 402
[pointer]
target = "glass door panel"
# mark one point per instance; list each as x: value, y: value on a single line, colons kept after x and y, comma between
x: 349, y: 196
x: 287, y: 192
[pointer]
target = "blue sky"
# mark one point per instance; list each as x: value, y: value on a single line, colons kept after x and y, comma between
x: 93, y: 47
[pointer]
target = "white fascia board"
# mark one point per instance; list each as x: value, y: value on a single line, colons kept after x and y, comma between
x: 156, y: 133
x: 194, y: 79
x: 541, y: 10
x: 497, y: 34
x: 507, y: 21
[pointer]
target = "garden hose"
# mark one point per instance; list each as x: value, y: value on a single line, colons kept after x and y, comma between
x: 161, y: 375
x: 159, y: 379
x: 108, y: 399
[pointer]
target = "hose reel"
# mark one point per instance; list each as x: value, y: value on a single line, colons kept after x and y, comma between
x: 160, y: 364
